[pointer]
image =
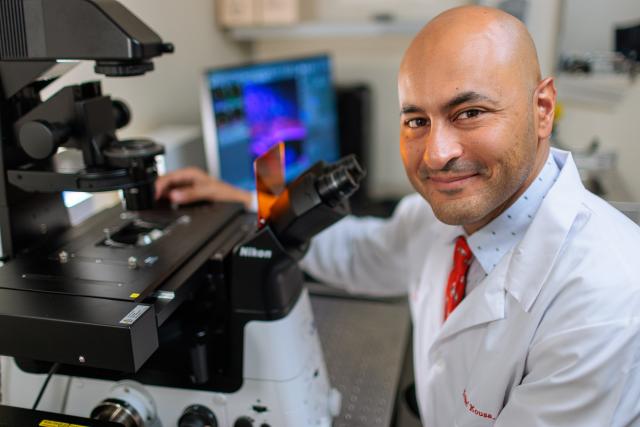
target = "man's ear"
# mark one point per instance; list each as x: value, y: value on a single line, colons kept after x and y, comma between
x: 545, y: 104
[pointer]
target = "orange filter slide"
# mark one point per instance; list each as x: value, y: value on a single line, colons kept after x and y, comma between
x: 269, y: 173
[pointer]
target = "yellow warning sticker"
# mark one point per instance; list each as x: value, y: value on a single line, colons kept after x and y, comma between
x: 134, y: 295
x: 50, y: 423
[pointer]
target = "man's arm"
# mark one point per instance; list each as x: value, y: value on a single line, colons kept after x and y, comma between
x: 190, y: 185
x: 369, y: 255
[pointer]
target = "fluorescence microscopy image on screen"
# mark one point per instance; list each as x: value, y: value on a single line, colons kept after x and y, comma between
x: 272, y: 112
x: 254, y: 107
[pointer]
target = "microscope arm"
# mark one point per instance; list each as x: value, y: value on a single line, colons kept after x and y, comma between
x: 43, y: 35
x: 51, y: 31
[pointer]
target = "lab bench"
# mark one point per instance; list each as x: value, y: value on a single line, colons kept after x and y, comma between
x: 364, y: 343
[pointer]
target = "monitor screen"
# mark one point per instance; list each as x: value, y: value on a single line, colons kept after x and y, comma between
x: 247, y: 109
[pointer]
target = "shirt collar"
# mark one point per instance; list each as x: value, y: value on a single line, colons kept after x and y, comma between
x: 494, y: 240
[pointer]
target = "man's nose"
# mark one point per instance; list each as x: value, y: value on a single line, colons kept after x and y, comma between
x: 441, y: 146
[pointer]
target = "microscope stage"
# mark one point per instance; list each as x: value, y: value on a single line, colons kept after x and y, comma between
x: 117, y: 255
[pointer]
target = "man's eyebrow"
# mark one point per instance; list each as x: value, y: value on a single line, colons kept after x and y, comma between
x: 461, y: 98
x: 410, y: 108
x: 464, y: 97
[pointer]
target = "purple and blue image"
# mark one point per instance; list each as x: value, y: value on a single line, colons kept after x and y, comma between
x: 273, y: 115
x: 258, y: 105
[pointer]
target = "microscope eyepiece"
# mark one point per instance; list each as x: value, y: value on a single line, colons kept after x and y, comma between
x: 340, y: 181
x: 351, y: 164
x: 314, y: 201
x: 336, y: 185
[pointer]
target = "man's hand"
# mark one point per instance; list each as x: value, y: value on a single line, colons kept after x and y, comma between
x: 192, y: 185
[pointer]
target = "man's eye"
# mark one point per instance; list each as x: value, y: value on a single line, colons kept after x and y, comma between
x: 469, y: 114
x: 416, y: 123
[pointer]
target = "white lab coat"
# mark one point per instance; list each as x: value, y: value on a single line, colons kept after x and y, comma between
x: 550, y: 338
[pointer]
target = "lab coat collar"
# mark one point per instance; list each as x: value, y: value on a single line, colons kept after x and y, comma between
x: 534, y: 257
x: 523, y: 270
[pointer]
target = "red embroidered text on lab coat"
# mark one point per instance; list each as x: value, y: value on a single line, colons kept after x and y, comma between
x: 475, y: 410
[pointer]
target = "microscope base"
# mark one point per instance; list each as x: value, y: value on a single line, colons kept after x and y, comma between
x: 285, y: 382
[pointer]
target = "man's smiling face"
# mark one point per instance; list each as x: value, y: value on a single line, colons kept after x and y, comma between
x: 469, y: 135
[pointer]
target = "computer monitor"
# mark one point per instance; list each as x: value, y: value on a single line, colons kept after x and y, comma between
x: 249, y: 108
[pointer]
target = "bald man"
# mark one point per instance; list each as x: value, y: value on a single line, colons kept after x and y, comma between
x: 524, y: 299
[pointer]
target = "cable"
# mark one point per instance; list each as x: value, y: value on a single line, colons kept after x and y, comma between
x: 52, y: 371
x: 65, y: 399
x: 2, y: 358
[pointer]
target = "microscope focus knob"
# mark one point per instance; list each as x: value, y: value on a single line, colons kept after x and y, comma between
x: 243, y: 422
x: 197, y: 416
x: 41, y: 139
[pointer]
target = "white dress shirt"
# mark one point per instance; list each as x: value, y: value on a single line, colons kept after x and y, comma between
x: 551, y: 337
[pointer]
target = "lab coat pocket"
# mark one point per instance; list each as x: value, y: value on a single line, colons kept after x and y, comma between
x: 481, y: 398
x: 496, y: 368
x: 474, y: 411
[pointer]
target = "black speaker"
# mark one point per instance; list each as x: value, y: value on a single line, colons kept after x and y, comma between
x: 354, y: 127
x: 628, y: 41
x: 354, y: 134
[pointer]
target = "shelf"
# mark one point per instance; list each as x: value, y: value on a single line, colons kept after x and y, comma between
x: 602, y: 90
x: 328, y: 29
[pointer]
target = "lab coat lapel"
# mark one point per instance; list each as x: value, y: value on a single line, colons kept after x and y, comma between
x: 483, y: 305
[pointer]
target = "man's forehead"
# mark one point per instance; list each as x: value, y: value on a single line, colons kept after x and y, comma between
x: 450, y: 57
x: 443, y: 89
x: 475, y: 29
x: 458, y: 56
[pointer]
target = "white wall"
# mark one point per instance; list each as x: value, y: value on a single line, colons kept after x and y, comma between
x: 360, y: 10
x: 588, y: 27
x: 589, y: 24
x: 543, y: 22
x: 169, y: 95
x: 616, y: 128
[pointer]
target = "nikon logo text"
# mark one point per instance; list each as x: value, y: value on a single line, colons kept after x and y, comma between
x: 249, y: 252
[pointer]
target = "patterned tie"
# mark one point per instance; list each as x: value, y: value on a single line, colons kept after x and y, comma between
x: 454, y: 291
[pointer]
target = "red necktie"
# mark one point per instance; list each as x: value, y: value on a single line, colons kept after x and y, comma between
x: 454, y: 291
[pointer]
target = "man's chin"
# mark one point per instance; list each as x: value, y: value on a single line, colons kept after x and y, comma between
x: 461, y: 208
x: 458, y: 212
x: 452, y: 219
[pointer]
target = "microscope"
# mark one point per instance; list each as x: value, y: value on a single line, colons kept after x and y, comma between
x: 144, y: 315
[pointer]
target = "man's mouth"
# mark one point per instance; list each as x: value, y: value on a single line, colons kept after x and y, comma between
x: 447, y: 179
x: 450, y: 183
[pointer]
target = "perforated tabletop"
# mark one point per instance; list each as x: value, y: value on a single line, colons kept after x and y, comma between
x: 364, y: 343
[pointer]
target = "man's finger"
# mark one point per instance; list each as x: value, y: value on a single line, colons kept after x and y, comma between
x: 178, y: 178
x: 187, y: 195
